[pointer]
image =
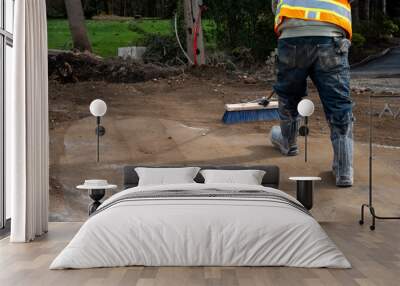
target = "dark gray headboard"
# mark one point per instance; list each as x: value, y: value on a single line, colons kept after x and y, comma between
x: 271, y: 178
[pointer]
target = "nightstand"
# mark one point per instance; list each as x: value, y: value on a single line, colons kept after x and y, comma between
x: 305, y: 189
x: 96, y: 190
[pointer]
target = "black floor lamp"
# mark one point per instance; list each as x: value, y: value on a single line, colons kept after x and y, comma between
x: 98, y: 108
x: 370, y: 200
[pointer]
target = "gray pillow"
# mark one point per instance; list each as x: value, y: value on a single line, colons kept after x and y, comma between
x: 245, y: 177
x: 166, y: 176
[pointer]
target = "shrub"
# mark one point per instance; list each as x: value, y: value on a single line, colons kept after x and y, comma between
x: 161, y: 49
x: 243, y: 23
x: 379, y: 28
x: 358, y: 41
x: 265, y: 39
x: 396, y: 21
x: 389, y: 27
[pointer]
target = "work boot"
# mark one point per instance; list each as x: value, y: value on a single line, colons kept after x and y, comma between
x: 284, y: 137
x: 343, y: 155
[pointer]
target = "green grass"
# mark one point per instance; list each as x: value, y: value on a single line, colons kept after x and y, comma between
x: 107, y: 36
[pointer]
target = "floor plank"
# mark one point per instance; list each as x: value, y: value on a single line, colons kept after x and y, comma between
x: 375, y: 257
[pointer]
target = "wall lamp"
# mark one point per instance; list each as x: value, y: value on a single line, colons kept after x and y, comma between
x: 306, y: 109
x: 98, y: 108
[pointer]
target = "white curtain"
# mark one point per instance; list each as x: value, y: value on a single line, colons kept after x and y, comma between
x: 27, y: 141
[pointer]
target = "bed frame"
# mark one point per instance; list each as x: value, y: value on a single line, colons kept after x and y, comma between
x: 271, y: 178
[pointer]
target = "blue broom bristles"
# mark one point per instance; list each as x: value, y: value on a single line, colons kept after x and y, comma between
x: 232, y: 117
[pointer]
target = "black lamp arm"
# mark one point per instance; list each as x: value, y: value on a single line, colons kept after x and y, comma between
x: 100, y: 130
x: 305, y: 139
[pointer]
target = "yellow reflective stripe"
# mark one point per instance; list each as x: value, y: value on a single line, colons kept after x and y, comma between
x: 317, y: 4
x: 337, y: 3
x: 279, y: 5
x: 315, y: 10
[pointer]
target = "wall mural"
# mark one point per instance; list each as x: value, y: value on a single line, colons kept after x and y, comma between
x: 136, y: 58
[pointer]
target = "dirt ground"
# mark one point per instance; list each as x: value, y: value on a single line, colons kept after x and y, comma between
x: 168, y: 97
x: 178, y: 120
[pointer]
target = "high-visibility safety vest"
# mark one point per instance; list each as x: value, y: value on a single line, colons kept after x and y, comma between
x: 337, y: 12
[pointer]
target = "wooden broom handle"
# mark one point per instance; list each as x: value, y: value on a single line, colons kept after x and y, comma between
x: 271, y: 95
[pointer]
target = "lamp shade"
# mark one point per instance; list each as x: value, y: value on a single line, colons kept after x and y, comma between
x: 98, y: 108
x: 305, y: 108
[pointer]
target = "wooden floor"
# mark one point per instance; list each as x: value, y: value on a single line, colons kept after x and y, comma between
x: 375, y: 257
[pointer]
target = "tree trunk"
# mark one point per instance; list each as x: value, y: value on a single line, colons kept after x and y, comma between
x: 107, y: 9
x: 384, y: 7
x: 367, y: 10
x: 187, y: 6
x: 355, y: 8
x: 191, y: 11
x: 77, y: 26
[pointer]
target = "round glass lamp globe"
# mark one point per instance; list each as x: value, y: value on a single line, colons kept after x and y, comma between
x: 305, y: 107
x: 98, y: 108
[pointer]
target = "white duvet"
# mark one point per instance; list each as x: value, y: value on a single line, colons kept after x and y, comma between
x: 200, y: 232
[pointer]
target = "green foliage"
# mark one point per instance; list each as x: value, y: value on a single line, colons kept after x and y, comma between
x: 265, y: 38
x: 161, y: 49
x: 377, y: 29
x: 90, y: 8
x: 135, y: 27
x: 127, y: 8
x: 56, y: 9
x: 243, y: 23
x: 389, y: 27
x: 244, y: 56
x: 106, y: 36
x: 396, y: 21
x: 358, y: 41
x: 159, y: 39
x: 210, y: 35
x: 59, y: 35
x: 371, y: 37
x: 144, y: 27
x: 180, y: 13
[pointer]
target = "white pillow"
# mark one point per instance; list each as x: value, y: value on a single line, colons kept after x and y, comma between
x: 166, y: 176
x: 246, y: 177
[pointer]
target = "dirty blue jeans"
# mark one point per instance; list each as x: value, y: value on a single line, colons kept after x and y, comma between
x: 325, y: 61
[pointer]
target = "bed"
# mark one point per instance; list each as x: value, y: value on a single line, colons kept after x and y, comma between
x: 201, y: 224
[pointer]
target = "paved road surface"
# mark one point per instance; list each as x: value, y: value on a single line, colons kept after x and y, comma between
x: 383, y: 67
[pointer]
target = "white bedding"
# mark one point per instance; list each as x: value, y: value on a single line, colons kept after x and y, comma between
x: 200, y: 232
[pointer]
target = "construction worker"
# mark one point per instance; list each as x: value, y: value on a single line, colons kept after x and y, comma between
x: 314, y: 41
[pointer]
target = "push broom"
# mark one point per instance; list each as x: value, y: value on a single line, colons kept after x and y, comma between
x: 262, y: 109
